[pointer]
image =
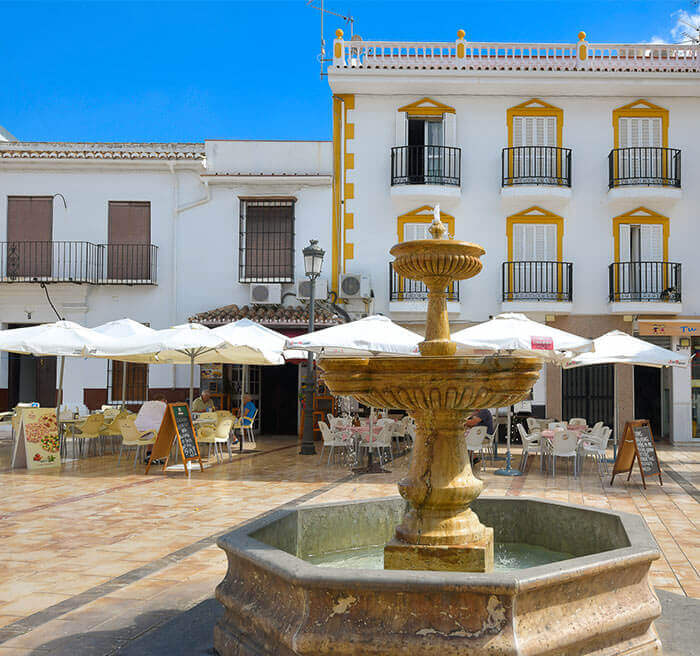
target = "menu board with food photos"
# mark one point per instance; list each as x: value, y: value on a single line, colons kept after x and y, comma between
x: 176, y: 424
x: 637, y: 444
x: 38, y: 444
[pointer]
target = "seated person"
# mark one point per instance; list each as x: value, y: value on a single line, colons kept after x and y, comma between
x: 480, y: 418
x: 150, y: 415
x: 249, y: 408
x: 203, y: 403
x: 149, y: 418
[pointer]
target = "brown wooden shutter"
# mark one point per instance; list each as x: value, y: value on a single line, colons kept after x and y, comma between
x: 29, y: 236
x: 129, y: 237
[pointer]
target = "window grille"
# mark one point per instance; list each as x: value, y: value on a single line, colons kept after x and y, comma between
x: 136, y: 383
x: 266, y: 241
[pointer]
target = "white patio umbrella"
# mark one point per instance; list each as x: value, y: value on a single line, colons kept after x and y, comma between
x: 373, y: 335
x: 61, y: 339
x: 189, y: 343
x: 516, y: 333
x: 124, y: 329
x: 617, y: 347
x: 250, y: 343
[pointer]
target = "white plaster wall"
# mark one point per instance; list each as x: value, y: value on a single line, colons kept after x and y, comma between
x: 197, y: 247
x: 480, y: 214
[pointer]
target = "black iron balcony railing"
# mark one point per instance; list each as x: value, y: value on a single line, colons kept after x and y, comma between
x: 78, y: 262
x: 537, y: 281
x: 438, y: 165
x: 405, y: 289
x: 645, y: 282
x: 644, y: 166
x: 536, y: 165
x: 129, y: 264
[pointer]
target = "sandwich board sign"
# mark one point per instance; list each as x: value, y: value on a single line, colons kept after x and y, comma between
x: 176, y: 424
x: 637, y: 444
x: 38, y: 445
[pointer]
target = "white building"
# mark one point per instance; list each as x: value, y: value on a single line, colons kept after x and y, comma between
x: 155, y: 232
x: 564, y: 162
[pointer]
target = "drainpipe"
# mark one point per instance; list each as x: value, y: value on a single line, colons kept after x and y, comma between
x: 177, y: 210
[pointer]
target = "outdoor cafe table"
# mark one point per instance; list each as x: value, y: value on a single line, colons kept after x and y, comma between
x: 360, y: 435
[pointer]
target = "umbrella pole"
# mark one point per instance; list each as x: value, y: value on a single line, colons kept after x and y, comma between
x: 59, y: 395
x: 191, y: 379
x: 508, y: 471
x: 124, y: 367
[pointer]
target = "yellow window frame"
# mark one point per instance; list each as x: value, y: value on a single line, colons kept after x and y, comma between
x: 535, y: 215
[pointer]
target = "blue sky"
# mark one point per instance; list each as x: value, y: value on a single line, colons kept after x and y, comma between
x: 187, y: 71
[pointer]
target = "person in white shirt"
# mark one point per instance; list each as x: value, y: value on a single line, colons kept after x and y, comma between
x: 149, y: 419
x: 150, y: 415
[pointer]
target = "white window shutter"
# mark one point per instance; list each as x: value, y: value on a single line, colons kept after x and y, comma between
x: 652, y: 243
x: 519, y: 252
x: 639, y: 132
x: 625, y: 243
x: 655, y: 132
x: 624, y: 136
x: 518, y: 131
x: 551, y: 131
x: 412, y: 231
x: 450, y: 125
x: 550, y: 252
x: 401, y: 136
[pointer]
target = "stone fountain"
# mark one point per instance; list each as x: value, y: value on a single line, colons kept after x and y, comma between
x: 438, y: 593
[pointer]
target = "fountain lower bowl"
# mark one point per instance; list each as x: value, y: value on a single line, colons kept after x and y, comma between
x: 415, y: 383
x: 597, y: 603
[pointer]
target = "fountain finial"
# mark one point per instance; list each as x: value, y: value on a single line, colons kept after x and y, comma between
x: 437, y: 227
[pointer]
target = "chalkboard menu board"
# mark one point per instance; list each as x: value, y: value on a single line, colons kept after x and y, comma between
x: 185, y: 431
x: 637, y: 444
x: 176, y: 424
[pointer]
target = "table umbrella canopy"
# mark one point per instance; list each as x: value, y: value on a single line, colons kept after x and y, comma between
x: 516, y: 333
x: 62, y: 338
x: 619, y: 347
x: 372, y: 335
x: 247, y: 342
x: 123, y: 329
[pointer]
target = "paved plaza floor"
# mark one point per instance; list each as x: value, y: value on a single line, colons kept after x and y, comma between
x: 97, y: 557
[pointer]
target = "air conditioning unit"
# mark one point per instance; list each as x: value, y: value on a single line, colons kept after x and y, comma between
x: 355, y: 286
x: 304, y: 289
x: 265, y: 293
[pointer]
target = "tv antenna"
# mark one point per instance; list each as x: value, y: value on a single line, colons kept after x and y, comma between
x: 322, y: 59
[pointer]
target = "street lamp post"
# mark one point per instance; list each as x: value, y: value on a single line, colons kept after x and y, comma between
x: 313, y: 260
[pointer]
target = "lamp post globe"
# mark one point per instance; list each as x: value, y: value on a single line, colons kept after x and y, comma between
x: 313, y: 261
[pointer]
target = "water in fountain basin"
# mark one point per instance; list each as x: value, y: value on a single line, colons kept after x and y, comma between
x: 507, y: 556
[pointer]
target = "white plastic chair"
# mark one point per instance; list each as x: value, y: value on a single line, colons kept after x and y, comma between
x: 331, y: 440
x: 595, y: 446
x: 382, y: 440
x: 532, y: 443
x: 564, y: 445
x: 533, y: 425
x: 557, y: 425
x: 490, y: 444
x: 475, y: 442
x: 578, y: 421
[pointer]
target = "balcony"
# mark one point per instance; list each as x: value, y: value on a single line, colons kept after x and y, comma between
x: 78, y: 262
x: 532, y: 174
x: 644, y: 174
x: 641, y: 287
x: 411, y: 296
x: 426, y: 173
x: 537, y: 286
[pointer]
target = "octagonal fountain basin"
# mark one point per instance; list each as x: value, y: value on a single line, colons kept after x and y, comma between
x: 569, y: 581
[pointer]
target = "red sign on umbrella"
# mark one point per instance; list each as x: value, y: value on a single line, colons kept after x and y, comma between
x: 542, y: 343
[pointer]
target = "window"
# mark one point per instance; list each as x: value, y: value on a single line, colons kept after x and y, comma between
x: 29, y: 236
x: 535, y: 242
x: 129, y: 235
x: 136, y: 382
x: 534, y: 131
x: 266, y: 240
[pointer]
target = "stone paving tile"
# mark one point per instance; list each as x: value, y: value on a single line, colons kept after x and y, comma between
x: 105, y: 552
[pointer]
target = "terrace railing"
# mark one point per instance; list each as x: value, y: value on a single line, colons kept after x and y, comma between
x: 438, y: 165
x: 644, y: 166
x: 467, y: 55
x: 406, y: 289
x: 537, y: 281
x: 536, y: 165
x: 647, y: 282
x: 78, y: 262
